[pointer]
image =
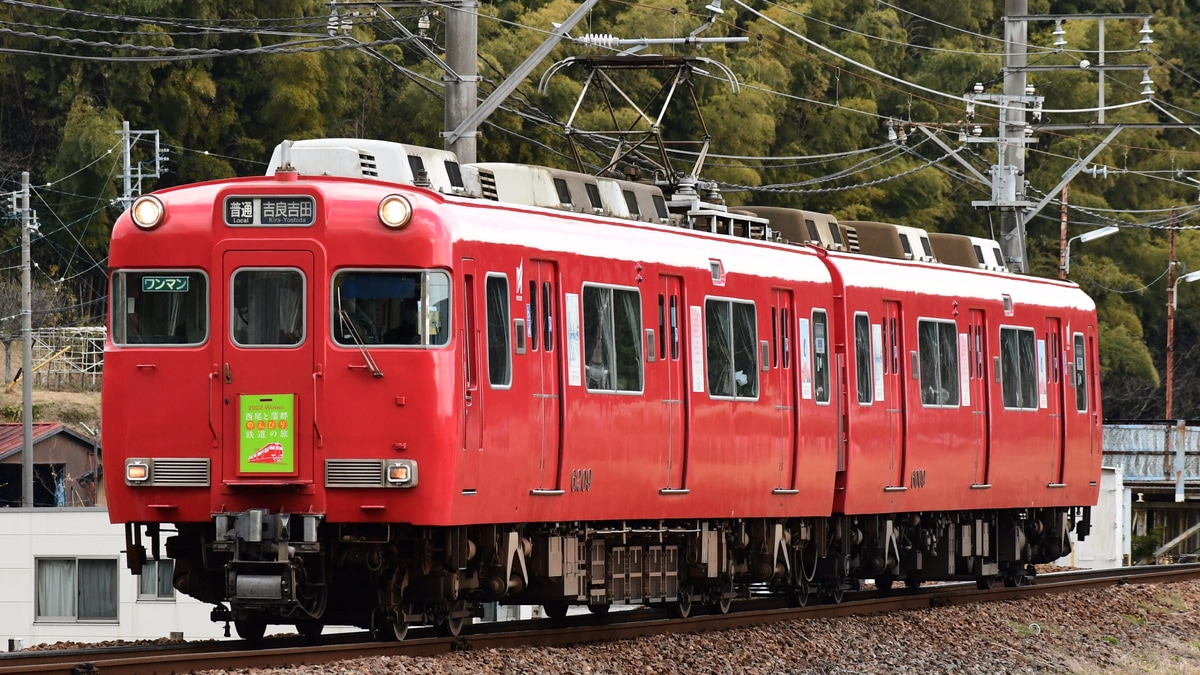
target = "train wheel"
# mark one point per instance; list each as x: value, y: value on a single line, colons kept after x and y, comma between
x: 386, y: 628
x: 682, y: 608
x: 835, y: 594
x: 453, y: 625
x: 599, y: 609
x: 311, y: 630
x: 885, y: 582
x: 797, y: 596
x: 986, y: 582
x: 250, y: 630
x: 722, y: 601
x: 555, y: 610
x: 912, y: 583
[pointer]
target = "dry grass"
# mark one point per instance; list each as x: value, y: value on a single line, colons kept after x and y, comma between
x: 79, y: 410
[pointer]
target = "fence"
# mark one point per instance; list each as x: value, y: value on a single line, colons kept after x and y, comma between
x: 70, y: 359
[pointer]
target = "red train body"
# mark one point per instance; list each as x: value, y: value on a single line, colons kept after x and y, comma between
x: 552, y: 407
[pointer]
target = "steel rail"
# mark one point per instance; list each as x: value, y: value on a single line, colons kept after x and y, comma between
x: 293, y: 651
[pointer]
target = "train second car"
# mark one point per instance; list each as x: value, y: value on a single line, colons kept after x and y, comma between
x: 383, y: 397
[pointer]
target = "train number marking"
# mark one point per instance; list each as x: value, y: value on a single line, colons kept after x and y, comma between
x: 918, y: 479
x: 581, y: 480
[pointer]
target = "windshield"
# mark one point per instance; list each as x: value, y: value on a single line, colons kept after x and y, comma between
x: 160, y: 307
x: 399, y: 308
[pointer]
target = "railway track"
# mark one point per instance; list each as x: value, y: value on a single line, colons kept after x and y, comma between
x: 292, y: 651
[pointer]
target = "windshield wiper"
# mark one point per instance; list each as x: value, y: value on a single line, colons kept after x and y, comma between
x: 362, y: 345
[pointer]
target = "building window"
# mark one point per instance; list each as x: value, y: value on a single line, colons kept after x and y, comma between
x: 732, y: 340
x: 612, y: 345
x: 938, y: 344
x: 499, y: 353
x: 71, y: 589
x: 155, y: 582
x: 1018, y: 368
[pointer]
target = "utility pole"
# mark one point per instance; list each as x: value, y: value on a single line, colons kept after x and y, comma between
x: 1012, y: 225
x: 26, y: 350
x: 462, y: 82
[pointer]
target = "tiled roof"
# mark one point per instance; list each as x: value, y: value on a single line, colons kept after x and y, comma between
x: 12, y: 435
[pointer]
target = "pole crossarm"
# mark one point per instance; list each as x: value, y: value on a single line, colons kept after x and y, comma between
x: 1069, y: 175
x: 517, y: 76
x: 984, y: 180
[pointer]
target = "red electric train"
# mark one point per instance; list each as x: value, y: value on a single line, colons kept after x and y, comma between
x: 378, y: 388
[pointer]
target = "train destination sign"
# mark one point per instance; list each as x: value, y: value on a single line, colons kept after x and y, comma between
x: 294, y: 211
x: 164, y: 284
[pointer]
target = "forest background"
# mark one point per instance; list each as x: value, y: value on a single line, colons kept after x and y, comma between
x: 223, y: 81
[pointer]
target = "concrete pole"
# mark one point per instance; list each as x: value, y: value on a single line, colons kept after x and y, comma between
x: 26, y: 350
x: 1171, y: 290
x: 127, y: 194
x: 462, y: 93
x: 1012, y: 225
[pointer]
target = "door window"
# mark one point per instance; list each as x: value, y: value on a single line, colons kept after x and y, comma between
x: 268, y: 307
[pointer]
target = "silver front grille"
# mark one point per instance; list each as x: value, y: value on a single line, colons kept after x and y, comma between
x: 181, y: 472
x: 354, y: 473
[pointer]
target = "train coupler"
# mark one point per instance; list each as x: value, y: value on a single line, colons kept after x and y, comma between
x: 221, y: 613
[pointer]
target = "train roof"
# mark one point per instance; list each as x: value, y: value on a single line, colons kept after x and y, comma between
x: 956, y: 283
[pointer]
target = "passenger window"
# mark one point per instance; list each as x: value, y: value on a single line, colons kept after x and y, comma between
x: 1018, y: 368
x: 499, y: 352
x: 820, y: 347
x: 732, y: 338
x: 267, y: 307
x: 548, y: 314
x: 612, y: 343
x: 937, y: 342
x: 160, y: 307
x: 533, y: 316
x: 1081, y: 400
x: 862, y: 358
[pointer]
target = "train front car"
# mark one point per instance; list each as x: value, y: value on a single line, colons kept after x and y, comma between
x: 266, y: 402
x: 973, y: 416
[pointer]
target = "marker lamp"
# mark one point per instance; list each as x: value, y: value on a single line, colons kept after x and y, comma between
x: 137, y: 471
x: 402, y: 473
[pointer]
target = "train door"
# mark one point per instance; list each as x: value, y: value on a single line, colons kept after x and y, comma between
x: 267, y: 367
x: 977, y: 360
x: 1055, y: 395
x: 670, y: 353
x: 470, y: 337
x: 893, y: 387
x: 542, y: 315
x: 782, y: 320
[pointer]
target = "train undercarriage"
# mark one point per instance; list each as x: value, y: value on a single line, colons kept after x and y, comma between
x: 260, y: 568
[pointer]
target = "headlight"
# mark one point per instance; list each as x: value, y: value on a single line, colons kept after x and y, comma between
x: 137, y: 471
x: 402, y: 473
x: 147, y: 212
x: 395, y: 211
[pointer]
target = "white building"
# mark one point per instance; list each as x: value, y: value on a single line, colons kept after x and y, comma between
x: 66, y: 580
x: 1108, y: 544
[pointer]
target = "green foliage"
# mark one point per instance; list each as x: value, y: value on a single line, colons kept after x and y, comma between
x: 1142, y: 546
x: 224, y: 114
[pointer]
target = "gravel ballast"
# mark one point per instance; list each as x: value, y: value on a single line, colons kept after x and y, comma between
x: 1123, y: 629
